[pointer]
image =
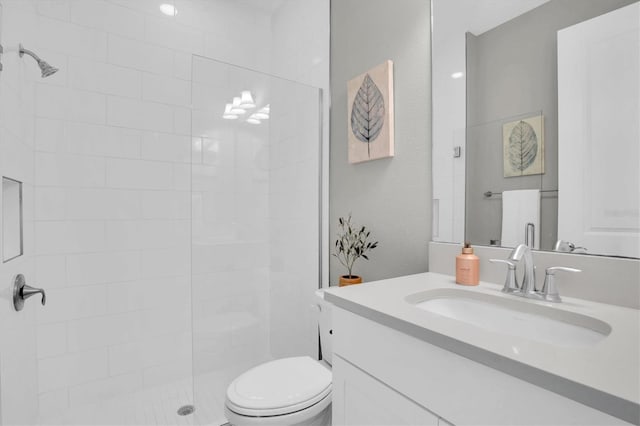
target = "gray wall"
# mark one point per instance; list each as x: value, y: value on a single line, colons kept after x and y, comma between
x: 512, y: 70
x: 390, y: 196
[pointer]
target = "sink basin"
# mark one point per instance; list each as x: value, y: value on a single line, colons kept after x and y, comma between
x: 533, y: 321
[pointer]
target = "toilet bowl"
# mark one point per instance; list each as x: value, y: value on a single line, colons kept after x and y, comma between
x: 287, y: 391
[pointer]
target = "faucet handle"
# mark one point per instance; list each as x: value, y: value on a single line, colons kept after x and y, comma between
x: 511, y: 282
x: 549, y: 290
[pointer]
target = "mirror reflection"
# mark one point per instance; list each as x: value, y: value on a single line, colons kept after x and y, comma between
x: 536, y: 134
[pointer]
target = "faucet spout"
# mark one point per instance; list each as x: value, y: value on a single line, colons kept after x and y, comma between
x: 523, y: 252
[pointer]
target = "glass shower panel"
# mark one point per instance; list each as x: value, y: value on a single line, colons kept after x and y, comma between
x: 255, y: 224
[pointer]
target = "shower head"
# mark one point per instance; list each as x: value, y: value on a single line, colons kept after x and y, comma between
x: 45, y: 68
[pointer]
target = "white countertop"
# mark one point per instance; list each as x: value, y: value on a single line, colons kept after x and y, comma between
x: 605, y: 375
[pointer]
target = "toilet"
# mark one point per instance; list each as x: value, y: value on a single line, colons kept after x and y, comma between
x: 287, y: 391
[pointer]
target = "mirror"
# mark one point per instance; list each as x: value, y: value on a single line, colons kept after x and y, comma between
x: 11, y: 219
x: 535, y: 124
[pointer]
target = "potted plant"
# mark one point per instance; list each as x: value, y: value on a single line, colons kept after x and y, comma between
x: 352, y: 244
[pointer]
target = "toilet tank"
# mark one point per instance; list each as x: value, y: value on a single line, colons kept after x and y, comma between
x: 325, y: 326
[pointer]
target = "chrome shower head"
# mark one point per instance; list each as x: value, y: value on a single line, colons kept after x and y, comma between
x: 45, y: 68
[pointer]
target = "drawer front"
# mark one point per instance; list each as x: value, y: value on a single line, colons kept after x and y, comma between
x: 359, y: 399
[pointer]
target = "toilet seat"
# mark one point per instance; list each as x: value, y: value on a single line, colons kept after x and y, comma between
x: 279, y: 387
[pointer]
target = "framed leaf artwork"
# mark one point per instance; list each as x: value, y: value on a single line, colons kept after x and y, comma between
x: 370, y: 114
x: 523, y: 147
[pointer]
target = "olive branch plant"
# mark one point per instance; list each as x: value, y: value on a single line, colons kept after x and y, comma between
x: 352, y: 243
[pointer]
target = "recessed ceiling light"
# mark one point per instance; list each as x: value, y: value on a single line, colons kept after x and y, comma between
x: 246, y: 101
x: 168, y: 9
x: 236, y: 108
x: 253, y: 121
x: 458, y: 74
x: 228, y: 113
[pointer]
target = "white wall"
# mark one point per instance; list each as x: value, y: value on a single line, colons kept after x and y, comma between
x: 112, y: 174
x: 391, y: 196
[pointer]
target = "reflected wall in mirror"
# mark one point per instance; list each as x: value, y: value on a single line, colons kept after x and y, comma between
x: 11, y: 219
x: 576, y: 63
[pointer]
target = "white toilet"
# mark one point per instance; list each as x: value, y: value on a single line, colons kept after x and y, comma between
x: 287, y: 391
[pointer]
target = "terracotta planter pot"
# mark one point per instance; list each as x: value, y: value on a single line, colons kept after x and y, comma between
x: 349, y: 280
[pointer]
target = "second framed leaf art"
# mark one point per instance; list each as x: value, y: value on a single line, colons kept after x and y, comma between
x: 523, y: 147
x: 370, y: 114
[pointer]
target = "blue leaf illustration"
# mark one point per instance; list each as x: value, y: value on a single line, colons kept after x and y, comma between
x: 367, y: 114
x: 523, y: 146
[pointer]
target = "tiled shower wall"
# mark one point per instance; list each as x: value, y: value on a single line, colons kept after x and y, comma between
x: 294, y: 203
x: 112, y: 180
x: 17, y: 329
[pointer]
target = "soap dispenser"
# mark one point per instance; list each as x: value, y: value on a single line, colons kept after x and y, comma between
x: 467, y: 267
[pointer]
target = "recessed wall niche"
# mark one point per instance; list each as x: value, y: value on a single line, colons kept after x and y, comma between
x: 12, y: 246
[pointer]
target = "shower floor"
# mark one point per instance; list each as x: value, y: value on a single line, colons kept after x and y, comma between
x: 153, y: 406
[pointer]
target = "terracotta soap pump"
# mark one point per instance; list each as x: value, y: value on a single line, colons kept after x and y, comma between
x: 467, y: 267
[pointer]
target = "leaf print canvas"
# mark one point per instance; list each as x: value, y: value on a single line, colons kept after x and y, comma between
x: 370, y: 114
x: 523, y: 147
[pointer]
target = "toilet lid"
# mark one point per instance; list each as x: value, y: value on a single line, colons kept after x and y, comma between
x: 279, y: 387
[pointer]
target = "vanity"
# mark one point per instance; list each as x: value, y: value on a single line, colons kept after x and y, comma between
x: 420, y: 349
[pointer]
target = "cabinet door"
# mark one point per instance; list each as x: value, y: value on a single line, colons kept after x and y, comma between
x: 360, y: 399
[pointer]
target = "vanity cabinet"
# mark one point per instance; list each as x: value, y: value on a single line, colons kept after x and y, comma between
x: 364, y: 400
x: 385, y: 376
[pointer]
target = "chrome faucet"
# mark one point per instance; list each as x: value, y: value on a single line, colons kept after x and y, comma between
x: 549, y: 291
x: 529, y: 279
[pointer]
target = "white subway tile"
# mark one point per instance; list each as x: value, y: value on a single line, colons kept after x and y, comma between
x: 69, y: 170
x: 139, y: 115
x: 127, y: 296
x: 49, y: 135
x: 182, y: 177
x: 182, y: 121
x: 165, y: 262
x: 104, y: 141
x: 52, y: 405
x: 98, y: 332
x: 51, y: 271
x: 182, y: 65
x: 167, y: 373
x: 104, y: 389
x: 167, y: 90
x: 69, y: 237
x: 134, y: 174
x: 72, y: 39
x: 140, y: 234
x: 97, y: 268
x: 73, y: 303
x: 57, y: 9
x: 140, y: 55
x: 152, y: 351
x: 94, y: 204
x: 104, y: 78
x: 71, y: 369
x: 49, y: 203
x: 107, y: 17
x: 52, y: 340
x: 166, y: 147
x: 168, y: 33
x: 161, y: 292
x: 68, y: 104
x: 147, y: 7
x: 165, y: 204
